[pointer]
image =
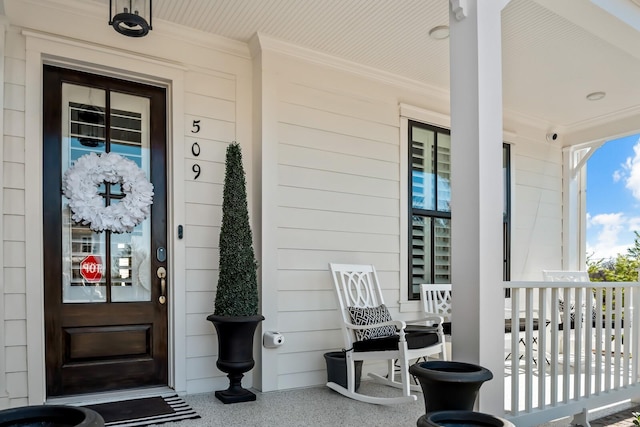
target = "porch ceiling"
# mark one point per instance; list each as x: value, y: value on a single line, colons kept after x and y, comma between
x: 555, y: 52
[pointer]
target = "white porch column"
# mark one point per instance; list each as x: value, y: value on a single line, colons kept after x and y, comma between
x: 476, y: 191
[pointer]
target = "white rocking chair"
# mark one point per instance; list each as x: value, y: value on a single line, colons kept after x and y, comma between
x: 370, y: 334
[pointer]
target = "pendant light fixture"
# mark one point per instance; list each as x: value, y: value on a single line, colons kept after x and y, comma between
x: 131, y: 17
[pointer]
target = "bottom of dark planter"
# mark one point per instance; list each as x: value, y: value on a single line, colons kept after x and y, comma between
x: 235, y: 396
x: 461, y: 419
x: 50, y: 416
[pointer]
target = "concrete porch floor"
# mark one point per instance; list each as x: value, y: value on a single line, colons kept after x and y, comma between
x: 317, y: 406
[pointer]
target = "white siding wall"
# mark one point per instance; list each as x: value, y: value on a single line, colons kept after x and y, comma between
x: 13, y: 225
x: 209, y: 98
x: 339, y: 199
x: 537, y: 209
x: 338, y: 193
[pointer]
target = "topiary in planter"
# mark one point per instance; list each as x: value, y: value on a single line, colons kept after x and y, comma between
x: 236, y: 306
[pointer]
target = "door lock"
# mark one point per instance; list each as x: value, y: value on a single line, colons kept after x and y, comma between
x: 162, y: 275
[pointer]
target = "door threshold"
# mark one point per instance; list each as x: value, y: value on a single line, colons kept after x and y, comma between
x: 110, y: 396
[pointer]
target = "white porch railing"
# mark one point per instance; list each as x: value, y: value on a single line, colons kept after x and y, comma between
x: 558, y: 368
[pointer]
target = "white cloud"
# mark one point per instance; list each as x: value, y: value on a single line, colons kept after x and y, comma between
x: 617, y: 175
x: 613, y: 234
x: 632, y: 181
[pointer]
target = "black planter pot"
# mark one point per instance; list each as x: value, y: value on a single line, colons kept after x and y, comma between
x: 50, y: 416
x: 337, y: 369
x: 235, y: 353
x: 448, y: 385
x: 461, y: 419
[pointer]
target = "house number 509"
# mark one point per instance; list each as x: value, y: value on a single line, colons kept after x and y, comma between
x: 195, y: 149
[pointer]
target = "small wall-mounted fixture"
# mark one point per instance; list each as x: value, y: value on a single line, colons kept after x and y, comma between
x: 440, y: 32
x: 596, y: 96
x: 552, y: 136
x: 131, y: 17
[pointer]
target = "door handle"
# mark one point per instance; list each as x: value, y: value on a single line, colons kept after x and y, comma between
x: 162, y: 275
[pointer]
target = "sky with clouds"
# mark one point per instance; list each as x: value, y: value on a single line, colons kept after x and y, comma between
x: 613, y: 198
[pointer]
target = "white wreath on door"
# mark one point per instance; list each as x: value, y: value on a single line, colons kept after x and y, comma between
x: 80, y: 185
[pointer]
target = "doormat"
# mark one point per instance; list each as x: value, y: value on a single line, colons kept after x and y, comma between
x: 143, y: 412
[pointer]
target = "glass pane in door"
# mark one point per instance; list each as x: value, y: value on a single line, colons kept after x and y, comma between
x: 83, y: 132
x: 130, y: 253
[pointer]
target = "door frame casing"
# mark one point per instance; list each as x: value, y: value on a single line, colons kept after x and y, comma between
x: 46, y: 49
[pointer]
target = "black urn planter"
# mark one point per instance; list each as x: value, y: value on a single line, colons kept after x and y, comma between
x: 50, y: 416
x: 448, y: 385
x: 235, y: 353
x: 460, y: 419
x: 337, y: 369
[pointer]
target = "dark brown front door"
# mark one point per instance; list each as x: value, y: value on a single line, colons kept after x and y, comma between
x: 106, y: 324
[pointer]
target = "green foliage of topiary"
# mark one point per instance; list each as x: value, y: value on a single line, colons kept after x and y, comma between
x: 237, y: 293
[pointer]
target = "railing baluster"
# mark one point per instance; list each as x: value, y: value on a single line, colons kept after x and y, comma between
x: 588, y: 362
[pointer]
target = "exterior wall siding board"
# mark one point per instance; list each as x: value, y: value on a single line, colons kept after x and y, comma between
x: 330, y: 240
x: 17, y: 384
x: 200, y: 346
x: 13, y: 175
x: 14, y: 280
x: 336, y: 123
x: 211, y: 84
x: 212, y: 129
x: 13, y: 149
x: 208, y: 215
x: 303, y: 301
x: 354, y: 104
x: 13, y: 228
x: 537, y: 205
x: 299, y: 259
x: 200, y: 302
x: 198, y: 325
x: 14, y: 96
x: 348, y: 145
x: 210, y: 172
x: 14, y: 71
x: 210, y: 150
x: 201, y: 280
x: 202, y: 236
x: 197, y: 192
x: 14, y: 123
x: 16, y: 357
x: 218, y: 109
x: 13, y: 202
x: 15, y: 332
x: 15, y: 306
x: 202, y: 367
x: 202, y: 258
x: 318, y: 159
x: 346, y: 182
x: 291, y: 321
x: 338, y: 202
x: 14, y: 254
x: 296, y: 218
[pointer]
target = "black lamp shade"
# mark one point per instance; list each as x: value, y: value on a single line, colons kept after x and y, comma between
x: 128, y: 17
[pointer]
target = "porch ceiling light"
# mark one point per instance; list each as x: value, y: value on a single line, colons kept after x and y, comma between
x: 129, y: 17
x: 596, y: 96
x: 440, y: 32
